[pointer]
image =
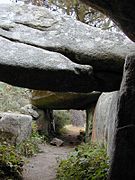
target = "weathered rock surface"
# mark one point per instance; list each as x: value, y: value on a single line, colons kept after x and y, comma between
x: 15, y: 128
x: 123, y: 160
x: 104, y: 121
x: 57, y: 100
x: 89, y: 122
x: 30, y: 110
x: 56, y: 142
x: 122, y: 12
x: 34, y: 30
x: 46, y: 122
x: 37, y: 26
x: 41, y: 69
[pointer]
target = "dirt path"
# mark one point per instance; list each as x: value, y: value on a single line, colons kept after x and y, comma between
x: 43, y: 166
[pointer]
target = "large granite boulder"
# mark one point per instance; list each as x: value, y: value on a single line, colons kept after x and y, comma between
x: 123, y: 159
x: 35, y: 30
x: 41, y: 69
x: 42, y: 28
x: 15, y: 128
x: 58, y: 100
x: 121, y: 12
x: 104, y: 121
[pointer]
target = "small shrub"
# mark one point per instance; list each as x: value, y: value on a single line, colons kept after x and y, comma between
x: 28, y: 148
x: 87, y: 162
x: 11, y: 162
x: 31, y: 146
x: 11, y: 157
x: 62, y: 118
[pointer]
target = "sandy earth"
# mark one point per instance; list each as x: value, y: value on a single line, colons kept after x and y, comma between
x: 43, y: 166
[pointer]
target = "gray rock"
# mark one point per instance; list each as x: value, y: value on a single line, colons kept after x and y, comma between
x: 123, y: 160
x: 39, y: 27
x: 29, y: 109
x: 41, y: 69
x: 59, y: 100
x: 104, y: 122
x: 121, y: 12
x: 126, y: 113
x: 15, y: 128
x: 34, y: 30
x: 124, y: 144
x: 45, y: 122
x: 89, y: 122
x: 56, y: 142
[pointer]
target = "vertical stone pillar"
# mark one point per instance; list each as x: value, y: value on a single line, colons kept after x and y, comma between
x: 123, y: 159
x: 89, y: 122
x: 45, y: 122
x: 51, y: 122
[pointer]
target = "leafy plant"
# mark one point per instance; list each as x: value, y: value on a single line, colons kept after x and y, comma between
x: 11, y: 157
x: 11, y: 162
x: 31, y: 146
x: 87, y: 162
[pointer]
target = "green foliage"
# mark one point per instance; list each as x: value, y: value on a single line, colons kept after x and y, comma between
x: 87, y: 162
x: 28, y: 148
x: 11, y: 162
x: 31, y: 146
x: 82, y: 12
x: 62, y: 118
x: 11, y: 157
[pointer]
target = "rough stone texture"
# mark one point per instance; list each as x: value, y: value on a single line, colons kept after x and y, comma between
x: 123, y: 165
x: 122, y: 12
x: 30, y: 110
x: 57, y: 100
x: 123, y: 160
x: 37, y: 26
x: 56, y: 142
x: 41, y: 69
x: 34, y: 30
x: 15, y: 127
x: 45, y: 122
x: 104, y: 121
x: 127, y: 94
x: 89, y: 122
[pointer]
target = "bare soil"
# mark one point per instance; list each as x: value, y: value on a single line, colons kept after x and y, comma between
x: 43, y: 166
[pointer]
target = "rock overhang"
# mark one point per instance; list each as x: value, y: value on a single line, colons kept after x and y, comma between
x: 121, y: 12
x: 65, y: 100
x: 42, y: 33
